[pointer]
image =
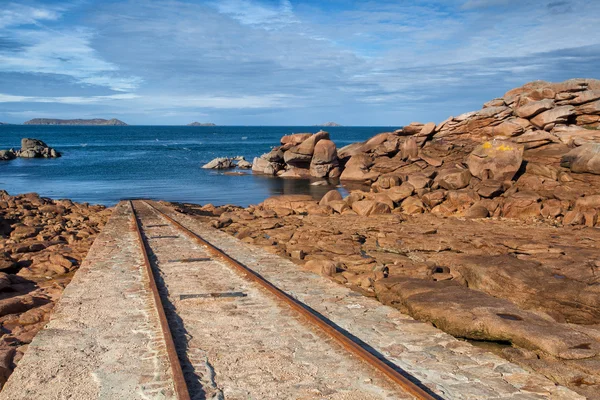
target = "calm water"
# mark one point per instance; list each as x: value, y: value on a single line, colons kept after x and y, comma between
x: 106, y: 164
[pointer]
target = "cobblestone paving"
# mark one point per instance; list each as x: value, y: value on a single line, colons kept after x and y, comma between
x: 104, y: 339
x: 251, y: 346
x: 452, y: 368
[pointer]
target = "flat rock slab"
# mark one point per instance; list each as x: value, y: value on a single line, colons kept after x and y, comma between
x: 104, y: 339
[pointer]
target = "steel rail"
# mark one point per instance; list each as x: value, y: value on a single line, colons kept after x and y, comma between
x: 181, y: 389
x: 333, y: 332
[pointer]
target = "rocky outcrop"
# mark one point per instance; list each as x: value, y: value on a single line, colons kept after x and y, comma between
x: 30, y: 148
x: 42, y: 243
x: 95, y: 121
x: 34, y: 148
x: 301, y: 155
x: 6, y: 155
x: 514, y: 158
x: 228, y: 163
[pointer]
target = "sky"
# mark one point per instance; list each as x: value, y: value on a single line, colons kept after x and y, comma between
x: 284, y: 62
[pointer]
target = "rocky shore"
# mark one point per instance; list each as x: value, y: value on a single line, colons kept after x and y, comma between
x: 42, y: 243
x: 485, y: 225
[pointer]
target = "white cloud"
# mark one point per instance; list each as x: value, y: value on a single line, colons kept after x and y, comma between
x: 7, y: 98
x: 13, y: 14
x: 63, y: 50
x: 221, y: 102
x: 258, y: 14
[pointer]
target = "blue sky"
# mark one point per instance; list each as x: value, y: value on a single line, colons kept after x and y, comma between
x: 250, y: 62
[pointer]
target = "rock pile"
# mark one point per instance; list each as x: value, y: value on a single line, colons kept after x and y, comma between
x: 534, y: 153
x: 228, y: 163
x: 30, y: 148
x: 42, y: 243
x: 301, y: 155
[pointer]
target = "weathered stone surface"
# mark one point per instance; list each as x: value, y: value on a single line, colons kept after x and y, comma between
x: 511, y: 127
x: 399, y: 193
x: 220, y: 163
x: 412, y: 205
x: 6, y: 155
x: 479, y: 316
x: 324, y: 153
x: 370, y: 207
x: 357, y: 169
x: 295, y: 139
x: 585, y: 158
x: 453, y: 178
x: 332, y: 195
x: 522, y: 205
x: 496, y: 159
x: 558, y: 115
x: 307, y: 147
x: 532, y: 109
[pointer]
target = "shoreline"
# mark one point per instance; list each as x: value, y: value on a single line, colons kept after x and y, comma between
x: 486, y: 226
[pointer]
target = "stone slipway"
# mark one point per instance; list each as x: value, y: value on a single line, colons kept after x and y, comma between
x: 104, y: 339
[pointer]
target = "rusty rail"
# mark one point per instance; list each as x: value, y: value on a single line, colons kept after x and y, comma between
x: 181, y: 389
x: 335, y: 333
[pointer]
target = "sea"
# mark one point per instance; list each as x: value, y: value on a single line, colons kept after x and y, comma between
x: 106, y: 164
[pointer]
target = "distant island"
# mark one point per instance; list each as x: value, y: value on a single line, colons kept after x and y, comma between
x: 201, y: 124
x: 329, y: 124
x: 95, y: 121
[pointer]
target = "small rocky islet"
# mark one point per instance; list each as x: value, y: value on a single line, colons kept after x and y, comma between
x: 30, y: 148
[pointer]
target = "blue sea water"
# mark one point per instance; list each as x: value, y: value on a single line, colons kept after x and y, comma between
x: 105, y: 164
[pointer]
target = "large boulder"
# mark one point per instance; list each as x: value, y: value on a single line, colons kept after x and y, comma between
x: 34, y: 148
x: 511, y: 127
x: 301, y: 155
x: 324, y: 152
x: 295, y: 138
x: 332, y: 195
x: 220, y: 163
x: 7, y: 155
x: 370, y: 207
x: 262, y: 166
x: 534, y: 108
x: 324, y: 158
x: 357, y: 169
x: 558, y: 115
x: 585, y: 158
x: 497, y: 159
x: 308, y: 146
x: 293, y: 158
x: 453, y: 178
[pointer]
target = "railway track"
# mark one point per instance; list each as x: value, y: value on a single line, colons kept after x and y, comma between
x: 191, y: 280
